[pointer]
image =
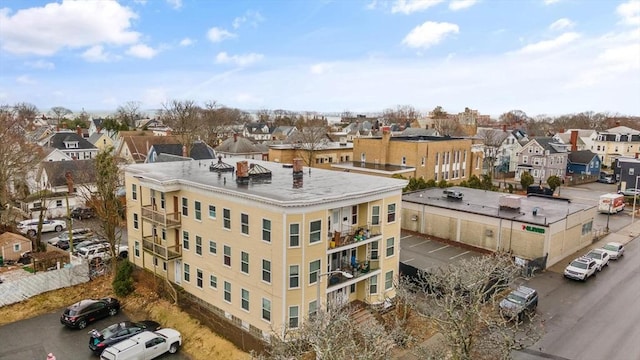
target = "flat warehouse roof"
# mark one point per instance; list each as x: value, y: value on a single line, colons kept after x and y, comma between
x: 487, y: 203
x: 316, y: 185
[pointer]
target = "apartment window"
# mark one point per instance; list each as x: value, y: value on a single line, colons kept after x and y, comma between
x: 294, y: 276
x: 198, y: 245
x: 213, y: 281
x: 164, y: 266
x: 294, y: 317
x: 163, y: 233
x: 213, y: 247
x: 187, y: 275
x: 198, y: 210
x: 391, y: 213
x: 373, y: 284
x: 244, y: 223
x: 136, y: 249
x: 266, y: 230
x: 404, y: 160
x: 363, y: 157
x: 227, y: 255
x: 212, y: 211
x: 163, y: 202
x: 245, y: 299
x: 134, y: 191
x: 136, y: 225
x: 199, y: 278
x: 58, y: 203
x: 314, y: 271
x: 185, y: 240
x: 244, y: 262
x: 266, y: 270
x: 388, y: 280
x: 227, y: 291
x: 437, y: 158
x: 185, y: 207
x: 313, y: 307
x: 390, y: 246
x: 314, y: 231
x: 374, y: 250
x: 266, y: 309
x: 294, y: 235
x: 422, y: 162
x: 375, y: 215
x: 632, y: 171
x: 586, y: 228
x: 226, y: 218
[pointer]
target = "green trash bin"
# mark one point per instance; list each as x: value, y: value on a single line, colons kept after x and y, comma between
x: 1, y: 261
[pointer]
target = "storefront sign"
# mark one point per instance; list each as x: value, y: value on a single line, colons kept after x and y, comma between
x: 533, y: 229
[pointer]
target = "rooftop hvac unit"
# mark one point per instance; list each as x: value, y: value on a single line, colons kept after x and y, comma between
x: 509, y: 201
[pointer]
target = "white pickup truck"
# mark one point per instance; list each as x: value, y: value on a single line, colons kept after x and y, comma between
x: 145, y: 346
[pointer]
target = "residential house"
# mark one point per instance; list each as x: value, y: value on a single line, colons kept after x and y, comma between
x: 53, y: 154
x: 263, y: 245
x: 583, y: 162
x: 428, y: 157
x: 584, y: 139
x: 101, y: 140
x: 199, y: 151
x: 283, y: 132
x: 40, y: 134
x: 256, y: 131
x: 95, y: 126
x: 321, y: 155
x: 542, y: 157
x: 627, y: 172
x: 73, y: 144
x: 359, y: 129
x: 133, y: 146
x: 12, y: 246
x: 238, y: 146
x: 617, y: 142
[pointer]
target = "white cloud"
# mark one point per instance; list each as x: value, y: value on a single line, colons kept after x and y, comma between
x: 320, y: 68
x: 142, y: 51
x: 41, y: 64
x: 372, y: 5
x: 456, y: 5
x: 629, y: 12
x: 176, y: 4
x: 548, y: 45
x: 96, y: 54
x: 240, y: 60
x: 155, y: 96
x: 561, y: 24
x: 550, y: 2
x: 217, y: 34
x: 411, y: 6
x: 69, y: 24
x: 428, y: 34
x: 252, y: 17
x: 25, y: 80
x: 186, y: 42
x: 246, y: 98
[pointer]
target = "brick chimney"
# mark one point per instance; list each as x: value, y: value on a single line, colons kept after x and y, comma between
x: 574, y: 140
x: 504, y: 128
x: 69, y: 177
x: 78, y: 130
x: 235, y: 137
x: 242, y: 172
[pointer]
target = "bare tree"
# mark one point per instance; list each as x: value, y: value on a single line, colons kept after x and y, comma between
x: 402, y: 115
x: 492, y: 139
x: 59, y: 113
x: 185, y: 118
x: 460, y: 300
x: 310, y: 138
x: 218, y: 119
x: 128, y: 113
x: 25, y: 113
x: 264, y: 115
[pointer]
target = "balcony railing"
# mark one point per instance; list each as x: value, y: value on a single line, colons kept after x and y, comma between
x: 161, y: 218
x: 356, y: 236
x: 162, y: 251
x: 335, y: 281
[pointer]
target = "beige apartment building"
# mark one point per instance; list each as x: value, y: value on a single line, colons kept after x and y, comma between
x: 322, y: 155
x: 428, y: 157
x: 260, y: 242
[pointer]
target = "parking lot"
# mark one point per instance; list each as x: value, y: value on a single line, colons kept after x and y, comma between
x: 426, y: 253
x: 36, y: 337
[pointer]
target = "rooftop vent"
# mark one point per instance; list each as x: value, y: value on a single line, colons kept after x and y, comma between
x: 509, y: 202
x: 220, y: 167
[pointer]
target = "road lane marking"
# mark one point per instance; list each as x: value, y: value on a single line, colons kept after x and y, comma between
x: 444, y: 247
x: 420, y: 243
x: 464, y: 253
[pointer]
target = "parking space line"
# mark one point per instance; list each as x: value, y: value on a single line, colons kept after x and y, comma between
x: 420, y: 243
x: 444, y: 247
x: 404, y: 237
x: 406, y: 261
x: 464, y: 253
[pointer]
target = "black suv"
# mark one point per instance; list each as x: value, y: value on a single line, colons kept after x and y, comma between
x: 83, y: 213
x: 110, y: 335
x: 83, y: 312
x: 519, y: 302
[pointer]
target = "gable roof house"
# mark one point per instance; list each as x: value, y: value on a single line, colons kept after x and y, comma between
x: 283, y: 132
x: 583, y: 139
x: 583, y: 162
x: 617, y: 142
x: 257, y: 131
x: 100, y: 140
x: 627, y: 172
x: 73, y: 144
x: 238, y: 146
x: 542, y: 157
x: 199, y: 151
x: 12, y: 246
x: 133, y: 146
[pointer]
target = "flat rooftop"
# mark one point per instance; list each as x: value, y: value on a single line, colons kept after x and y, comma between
x: 486, y: 203
x: 316, y: 185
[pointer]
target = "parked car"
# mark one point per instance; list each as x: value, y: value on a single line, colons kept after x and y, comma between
x: 83, y: 312
x: 600, y: 256
x: 30, y: 227
x: 87, y: 242
x: 77, y: 235
x: 519, y: 302
x: 115, y: 333
x: 581, y: 268
x: 614, y: 249
x: 83, y: 213
x: 630, y: 192
x: 102, y: 250
x: 145, y: 346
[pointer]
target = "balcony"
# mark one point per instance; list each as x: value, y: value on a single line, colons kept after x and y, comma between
x: 162, y: 251
x: 365, y: 271
x: 354, y: 237
x: 161, y: 218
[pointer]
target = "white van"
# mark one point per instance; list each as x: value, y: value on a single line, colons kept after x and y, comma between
x: 144, y: 346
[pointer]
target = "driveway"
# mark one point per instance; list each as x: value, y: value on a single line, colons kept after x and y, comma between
x: 34, y: 338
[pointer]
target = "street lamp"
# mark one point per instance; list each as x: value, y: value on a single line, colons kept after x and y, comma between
x: 635, y: 196
x: 609, y: 214
x: 343, y: 273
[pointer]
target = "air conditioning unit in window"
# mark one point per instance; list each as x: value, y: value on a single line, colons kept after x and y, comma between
x: 488, y: 232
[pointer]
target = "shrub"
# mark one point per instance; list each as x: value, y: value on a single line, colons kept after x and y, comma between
x: 123, y: 282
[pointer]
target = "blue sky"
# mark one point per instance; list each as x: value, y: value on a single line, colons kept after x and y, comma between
x: 539, y: 56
